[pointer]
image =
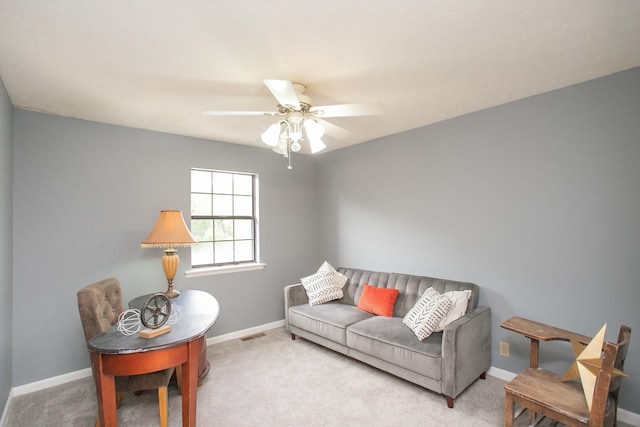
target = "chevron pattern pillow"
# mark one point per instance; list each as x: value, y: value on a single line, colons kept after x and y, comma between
x: 425, y: 316
x: 323, y: 286
x: 339, y: 279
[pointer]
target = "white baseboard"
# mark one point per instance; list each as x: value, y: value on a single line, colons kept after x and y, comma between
x: 3, y: 419
x: 623, y: 415
x: 244, y: 332
x: 629, y: 417
x: 50, y: 382
x: 501, y: 374
x: 84, y: 373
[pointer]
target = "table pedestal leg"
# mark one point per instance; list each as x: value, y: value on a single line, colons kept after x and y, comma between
x: 105, y: 392
x: 189, y: 383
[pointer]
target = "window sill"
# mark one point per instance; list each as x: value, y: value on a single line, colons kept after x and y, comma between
x: 210, y: 271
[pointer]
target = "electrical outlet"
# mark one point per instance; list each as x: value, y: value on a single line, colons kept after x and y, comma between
x: 504, y: 348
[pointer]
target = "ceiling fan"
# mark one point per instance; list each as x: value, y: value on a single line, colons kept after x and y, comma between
x: 297, y: 113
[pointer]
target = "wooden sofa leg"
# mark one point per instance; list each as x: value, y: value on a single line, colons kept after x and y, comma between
x: 293, y: 336
x: 450, y: 399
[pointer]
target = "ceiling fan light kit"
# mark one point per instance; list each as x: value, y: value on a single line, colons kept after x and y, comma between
x: 299, y: 115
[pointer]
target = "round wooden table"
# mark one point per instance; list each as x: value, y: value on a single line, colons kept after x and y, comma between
x: 114, y: 354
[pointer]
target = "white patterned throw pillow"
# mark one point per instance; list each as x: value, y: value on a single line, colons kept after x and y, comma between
x: 340, y: 279
x: 426, y: 314
x: 459, y: 303
x: 325, y: 285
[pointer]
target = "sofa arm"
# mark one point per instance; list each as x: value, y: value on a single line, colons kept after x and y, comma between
x: 293, y: 295
x: 466, y: 351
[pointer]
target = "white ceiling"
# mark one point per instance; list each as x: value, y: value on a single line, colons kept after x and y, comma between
x: 156, y: 64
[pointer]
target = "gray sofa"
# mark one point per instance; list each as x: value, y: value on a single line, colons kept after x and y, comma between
x: 446, y: 362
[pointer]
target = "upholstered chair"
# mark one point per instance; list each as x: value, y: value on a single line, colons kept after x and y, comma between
x: 99, y: 305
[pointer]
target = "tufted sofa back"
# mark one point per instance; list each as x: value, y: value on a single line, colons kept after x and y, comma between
x: 411, y: 287
x: 99, y: 305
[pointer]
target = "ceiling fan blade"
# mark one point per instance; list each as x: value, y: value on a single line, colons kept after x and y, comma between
x: 333, y: 130
x: 284, y: 92
x: 348, y: 110
x: 240, y: 113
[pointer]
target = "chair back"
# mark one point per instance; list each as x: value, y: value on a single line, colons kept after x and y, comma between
x: 624, y: 337
x: 99, y: 305
x: 602, y: 386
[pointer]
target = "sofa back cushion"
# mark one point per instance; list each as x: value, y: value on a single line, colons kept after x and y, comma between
x: 410, y: 287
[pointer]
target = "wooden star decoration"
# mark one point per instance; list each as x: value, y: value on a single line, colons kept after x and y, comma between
x: 588, y: 363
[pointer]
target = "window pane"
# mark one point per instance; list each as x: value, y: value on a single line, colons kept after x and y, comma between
x: 200, y: 181
x: 243, y: 229
x: 222, y: 183
x: 222, y: 205
x: 244, y: 250
x: 224, y: 229
x: 243, y: 184
x: 224, y: 252
x: 202, y: 254
x: 243, y: 205
x: 202, y: 229
x: 223, y: 217
x: 201, y: 204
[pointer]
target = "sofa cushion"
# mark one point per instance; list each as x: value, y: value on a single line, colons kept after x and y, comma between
x: 388, y: 339
x: 328, y: 320
x: 378, y: 301
x: 426, y: 314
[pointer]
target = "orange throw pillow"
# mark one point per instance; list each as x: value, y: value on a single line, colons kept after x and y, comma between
x: 378, y: 301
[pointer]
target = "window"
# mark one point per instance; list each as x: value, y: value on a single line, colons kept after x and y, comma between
x: 223, y: 218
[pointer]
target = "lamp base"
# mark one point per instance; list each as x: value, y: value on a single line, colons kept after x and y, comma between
x: 170, y: 265
x: 170, y: 292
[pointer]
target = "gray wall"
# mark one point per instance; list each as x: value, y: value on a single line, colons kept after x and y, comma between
x: 537, y: 201
x: 86, y: 194
x: 6, y: 238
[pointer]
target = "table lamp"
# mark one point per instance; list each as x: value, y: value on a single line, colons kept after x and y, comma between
x: 169, y: 232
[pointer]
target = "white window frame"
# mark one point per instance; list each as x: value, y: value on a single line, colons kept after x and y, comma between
x: 255, y: 264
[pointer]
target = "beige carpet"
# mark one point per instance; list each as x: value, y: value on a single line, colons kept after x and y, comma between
x: 274, y: 381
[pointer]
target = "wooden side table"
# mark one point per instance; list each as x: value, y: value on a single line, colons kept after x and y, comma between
x: 182, y: 300
x: 114, y: 354
x: 537, y: 332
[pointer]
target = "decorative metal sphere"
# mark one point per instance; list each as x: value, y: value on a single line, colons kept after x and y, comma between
x: 129, y: 322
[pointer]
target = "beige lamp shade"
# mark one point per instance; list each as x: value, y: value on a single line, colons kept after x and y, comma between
x: 170, y: 231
